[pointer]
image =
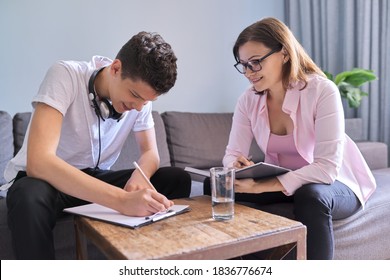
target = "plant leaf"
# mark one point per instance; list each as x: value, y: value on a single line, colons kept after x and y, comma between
x: 354, y: 97
x: 356, y: 77
x: 349, y: 83
x: 328, y: 75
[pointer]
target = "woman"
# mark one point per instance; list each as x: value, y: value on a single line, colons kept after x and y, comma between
x: 296, y: 116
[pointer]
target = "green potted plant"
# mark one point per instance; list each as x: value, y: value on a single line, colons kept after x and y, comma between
x: 349, y: 83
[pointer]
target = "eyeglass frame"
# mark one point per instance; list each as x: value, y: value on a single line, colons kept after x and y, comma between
x: 261, y: 59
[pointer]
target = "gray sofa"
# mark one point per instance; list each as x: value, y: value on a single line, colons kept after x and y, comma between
x: 199, y: 140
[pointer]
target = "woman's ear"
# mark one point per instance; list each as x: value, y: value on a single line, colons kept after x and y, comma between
x: 286, y: 57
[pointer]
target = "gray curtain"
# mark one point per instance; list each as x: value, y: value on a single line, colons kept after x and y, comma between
x: 341, y: 35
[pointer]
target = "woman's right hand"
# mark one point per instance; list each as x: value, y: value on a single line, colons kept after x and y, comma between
x: 242, y: 162
x: 144, y: 202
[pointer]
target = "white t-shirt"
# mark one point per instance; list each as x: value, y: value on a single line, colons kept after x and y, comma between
x: 65, y: 88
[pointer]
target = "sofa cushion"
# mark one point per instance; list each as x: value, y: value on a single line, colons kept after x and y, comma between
x: 161, y: 137
x: 130, y: 151
x: 365, y: 235
x: 199, y: 139
x: 20, y: 123
x: 354, y: 128
x: 375, y: 154
x: 7, y: 142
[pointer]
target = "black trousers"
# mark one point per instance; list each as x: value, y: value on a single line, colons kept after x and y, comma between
x: 315, y: 206
x: 34, y: 206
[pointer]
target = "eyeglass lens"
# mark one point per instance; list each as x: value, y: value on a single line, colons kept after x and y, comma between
x: 254, y: 65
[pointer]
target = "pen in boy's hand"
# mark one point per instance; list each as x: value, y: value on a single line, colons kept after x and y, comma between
x: 143, y: 175
x: 157, y: 213
x: 145, y: 178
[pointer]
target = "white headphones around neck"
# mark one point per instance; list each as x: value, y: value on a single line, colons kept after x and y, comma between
x: 103, y: 107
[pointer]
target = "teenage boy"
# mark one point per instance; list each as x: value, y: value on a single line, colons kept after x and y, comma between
x: 82, y: 115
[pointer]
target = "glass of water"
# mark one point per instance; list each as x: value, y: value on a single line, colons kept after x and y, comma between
x: 222, y: 192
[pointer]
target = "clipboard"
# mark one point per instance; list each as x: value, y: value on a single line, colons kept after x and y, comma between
x: 260, y: 170
x: 256, y: 171
x: 102, y: 213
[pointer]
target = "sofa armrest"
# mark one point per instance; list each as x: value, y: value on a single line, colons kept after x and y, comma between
x: 7, y: 142
x: 375, y: 154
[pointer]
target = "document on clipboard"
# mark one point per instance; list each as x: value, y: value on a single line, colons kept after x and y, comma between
x: 257, y: 171
x: 102, y: 213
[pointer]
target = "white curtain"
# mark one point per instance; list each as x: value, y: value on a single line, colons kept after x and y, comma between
x: 341, y: 35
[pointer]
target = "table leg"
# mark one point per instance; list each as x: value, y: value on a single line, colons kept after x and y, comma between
x: 81, y: 242
x: 301, y: 245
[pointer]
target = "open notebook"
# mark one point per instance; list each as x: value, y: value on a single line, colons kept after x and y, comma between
x: 109, y: 215
x: 257, y: 171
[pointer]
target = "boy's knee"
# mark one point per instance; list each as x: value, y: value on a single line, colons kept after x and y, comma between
x: 29, y: 192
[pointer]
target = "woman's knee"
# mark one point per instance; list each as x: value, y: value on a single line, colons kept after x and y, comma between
x: 312, y: 197
x: 309, y: 192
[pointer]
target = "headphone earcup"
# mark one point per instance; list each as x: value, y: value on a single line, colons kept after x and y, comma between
x: 106, y: 108
x: 108, y: 111
x: 115, y: 115
x: 91, y: 96
x: 103, y: 108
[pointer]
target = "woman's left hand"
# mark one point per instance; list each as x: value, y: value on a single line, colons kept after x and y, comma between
x: 258, y: 186
x: 246, y: 186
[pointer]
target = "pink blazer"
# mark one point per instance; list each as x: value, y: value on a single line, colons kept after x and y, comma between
x: 319, y: 136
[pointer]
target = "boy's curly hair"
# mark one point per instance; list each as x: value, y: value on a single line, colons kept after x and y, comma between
x: 147, y: 57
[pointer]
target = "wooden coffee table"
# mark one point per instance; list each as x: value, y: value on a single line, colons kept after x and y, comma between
x: 193, y: 235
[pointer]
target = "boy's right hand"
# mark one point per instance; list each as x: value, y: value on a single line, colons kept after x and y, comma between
x: 144, y: 202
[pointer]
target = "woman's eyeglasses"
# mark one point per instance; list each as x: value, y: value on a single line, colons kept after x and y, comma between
x: 254, y: 64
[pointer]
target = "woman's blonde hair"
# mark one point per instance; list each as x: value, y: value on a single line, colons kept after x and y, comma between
x: 274, y: 34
